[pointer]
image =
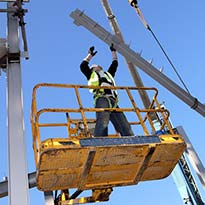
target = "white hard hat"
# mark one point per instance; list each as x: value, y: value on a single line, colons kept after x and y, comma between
x: 95, y: 67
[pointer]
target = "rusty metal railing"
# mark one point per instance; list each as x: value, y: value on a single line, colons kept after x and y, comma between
x: 142, y: 116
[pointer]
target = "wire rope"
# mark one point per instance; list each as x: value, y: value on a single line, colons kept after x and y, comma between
x: 134, y: 4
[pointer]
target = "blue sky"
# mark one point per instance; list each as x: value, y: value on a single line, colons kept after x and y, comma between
x: 57, y: 46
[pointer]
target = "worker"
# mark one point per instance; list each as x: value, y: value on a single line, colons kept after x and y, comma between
x: 105, y: 98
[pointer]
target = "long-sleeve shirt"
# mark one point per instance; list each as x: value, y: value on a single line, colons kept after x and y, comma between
x: 85, y: 69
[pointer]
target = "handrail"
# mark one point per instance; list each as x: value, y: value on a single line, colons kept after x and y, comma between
x: 143, y: 115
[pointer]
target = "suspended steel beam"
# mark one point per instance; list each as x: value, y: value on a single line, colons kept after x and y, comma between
x: 80, y: 19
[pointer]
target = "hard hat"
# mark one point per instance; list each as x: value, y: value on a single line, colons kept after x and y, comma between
x: 96, y: 67
x: 93, y: 66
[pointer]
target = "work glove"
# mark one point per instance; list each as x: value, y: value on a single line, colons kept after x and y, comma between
x: 91, y: 50
x: 112, y: 47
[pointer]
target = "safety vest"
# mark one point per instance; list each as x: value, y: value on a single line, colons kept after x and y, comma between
x: 102, y: 79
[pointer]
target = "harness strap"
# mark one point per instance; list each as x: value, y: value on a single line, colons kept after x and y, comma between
x: 109, y: 99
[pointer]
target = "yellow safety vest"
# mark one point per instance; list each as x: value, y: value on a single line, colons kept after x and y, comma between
x: 102, y: 79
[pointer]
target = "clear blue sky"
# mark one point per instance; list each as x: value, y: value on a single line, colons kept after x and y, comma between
x: 57, y: 46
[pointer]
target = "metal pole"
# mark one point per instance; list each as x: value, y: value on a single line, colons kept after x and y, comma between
x: 48, y: 195
x: 18, y: 179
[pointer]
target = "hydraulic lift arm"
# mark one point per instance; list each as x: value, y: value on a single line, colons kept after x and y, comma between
x: 82, y: 19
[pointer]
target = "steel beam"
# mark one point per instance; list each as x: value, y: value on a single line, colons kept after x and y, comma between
x: 81, y: 19
x: 18, y: 180
x: 4, y: 184
x: 193, y: 157
x: 181, y: 185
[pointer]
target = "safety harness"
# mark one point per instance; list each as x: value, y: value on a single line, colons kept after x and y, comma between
x: 101, y: 78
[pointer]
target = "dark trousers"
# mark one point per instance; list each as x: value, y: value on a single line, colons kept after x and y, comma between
x: 118, y: 119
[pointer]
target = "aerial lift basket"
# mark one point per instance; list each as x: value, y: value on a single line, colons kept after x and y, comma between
x: 84, y: 162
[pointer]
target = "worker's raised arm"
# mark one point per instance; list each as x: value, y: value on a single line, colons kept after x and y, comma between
x: 113, y: 67
x: 84, y: 67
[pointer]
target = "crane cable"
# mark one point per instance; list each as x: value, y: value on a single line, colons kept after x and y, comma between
x: 134, y: 4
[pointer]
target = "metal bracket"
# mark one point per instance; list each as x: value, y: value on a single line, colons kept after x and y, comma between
x: 14, y: 57
x: 133, y: 3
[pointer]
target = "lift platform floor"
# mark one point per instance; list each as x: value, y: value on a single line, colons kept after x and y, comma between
x: 91, y: 163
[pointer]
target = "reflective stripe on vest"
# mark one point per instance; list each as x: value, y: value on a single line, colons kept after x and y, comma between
x: 102, y: 79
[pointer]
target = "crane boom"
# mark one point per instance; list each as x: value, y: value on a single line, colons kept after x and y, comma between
x: 135, y: 75
x: 81, y: 19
